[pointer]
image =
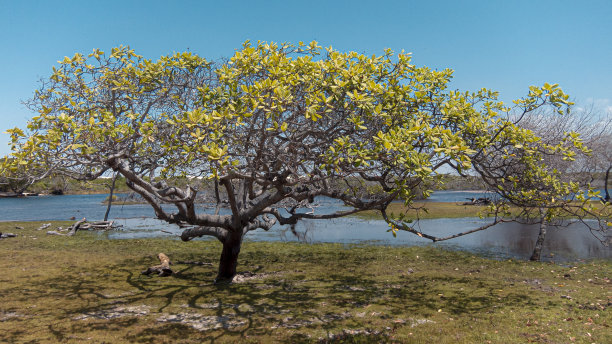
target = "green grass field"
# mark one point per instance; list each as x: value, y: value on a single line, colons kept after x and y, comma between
x: 86, y: 289
x: 434, y: 210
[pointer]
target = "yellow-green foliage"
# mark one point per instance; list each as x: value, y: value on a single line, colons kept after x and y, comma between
x: 402, y: 115
x: 290, y: 117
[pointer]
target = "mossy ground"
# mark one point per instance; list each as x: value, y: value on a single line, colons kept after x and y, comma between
x: 87, y: 289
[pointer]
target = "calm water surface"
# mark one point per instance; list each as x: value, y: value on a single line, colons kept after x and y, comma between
x: 508, y: 240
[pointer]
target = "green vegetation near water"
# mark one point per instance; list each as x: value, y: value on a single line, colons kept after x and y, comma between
x: 437, y: 210
x: 433, y: 210
x: 89, y: 289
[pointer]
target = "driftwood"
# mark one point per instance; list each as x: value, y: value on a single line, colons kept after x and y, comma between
x: 104, y: 225
x: 7, y: 235
x: 162, y: 269
x: 72, y: 229
x: 478, y: 201
x: 83, y: 225
x: 44, y: 226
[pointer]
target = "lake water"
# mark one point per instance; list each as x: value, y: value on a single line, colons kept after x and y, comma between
x: 52, y: 208
x: 508, y: 240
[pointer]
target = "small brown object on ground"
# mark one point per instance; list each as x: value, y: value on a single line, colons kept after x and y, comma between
x: 162, y: 269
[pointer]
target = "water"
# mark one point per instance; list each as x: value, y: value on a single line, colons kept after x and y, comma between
x: 56, y: 208
x: 504, y: 240
x: 507, y: 240
x: 458, y: 196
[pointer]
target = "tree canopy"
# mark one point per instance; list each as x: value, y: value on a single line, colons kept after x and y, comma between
x: 276, y: 126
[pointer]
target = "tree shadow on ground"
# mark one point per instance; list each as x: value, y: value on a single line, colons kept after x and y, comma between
x: 109, y: 298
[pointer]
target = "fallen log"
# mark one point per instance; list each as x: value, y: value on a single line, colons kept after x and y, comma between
x: 162, y: 269
x: 478, y: 201
x: 101, y: 225
x: 72, y: 229
x: 76, y: 226
x: 106, y: 225
x: 7, y: 235
x: 83, y: 225
x: 44, y: 226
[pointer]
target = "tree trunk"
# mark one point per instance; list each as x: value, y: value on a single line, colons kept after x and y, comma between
x: 229, y: 258
x: 537, y: 250
x: 607, y: 198
x: 110, y: 198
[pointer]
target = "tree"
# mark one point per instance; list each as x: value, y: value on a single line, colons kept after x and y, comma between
x: 111, y: 189
x: 273, y: 128
x: 602, y: 161
x: 578, y: 168
x: 595, y: 131
x: 17, y: 181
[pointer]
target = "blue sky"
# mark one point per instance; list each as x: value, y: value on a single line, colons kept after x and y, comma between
x: 502, y: 45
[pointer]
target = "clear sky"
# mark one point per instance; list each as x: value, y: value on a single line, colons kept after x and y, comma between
x: 502, y: 45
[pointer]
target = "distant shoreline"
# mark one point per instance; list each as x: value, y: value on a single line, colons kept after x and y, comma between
x: 457, y: 191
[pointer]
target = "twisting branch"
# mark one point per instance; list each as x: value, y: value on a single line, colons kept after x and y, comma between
x: 197, y: 232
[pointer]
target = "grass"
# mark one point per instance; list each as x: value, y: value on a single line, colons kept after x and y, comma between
x: 89, y: 289
x: 435, y: 210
